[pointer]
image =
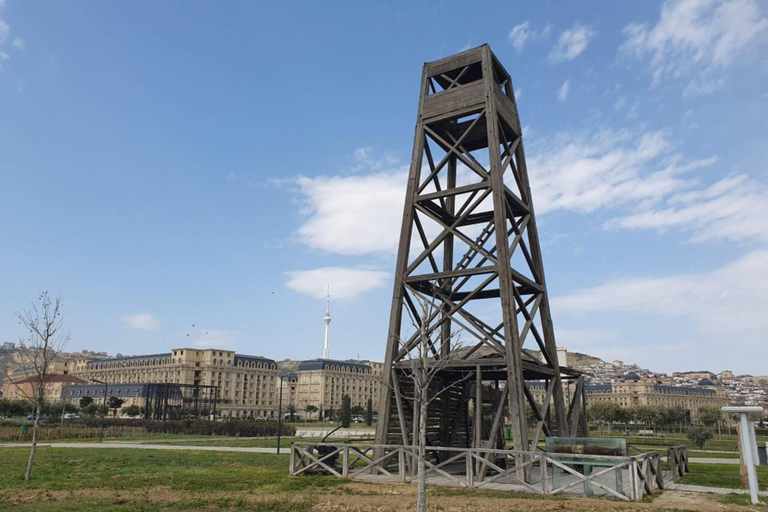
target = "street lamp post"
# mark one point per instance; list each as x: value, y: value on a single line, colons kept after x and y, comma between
x: 280, y: 415
x: 103, y: 410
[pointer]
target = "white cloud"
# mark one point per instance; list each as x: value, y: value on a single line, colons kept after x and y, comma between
x: 584, y: 173
x: 4, y: 56
x: 572, y: 43
x: 522, y: 34
x: 142, y: 321
x: 19, y: 43
x: 734, y: 208
x: 696, y: 38
x: 562, y: 93
x: 4, y: 31
x: 728, y: 303
x: 519, y: 35
x: 345, y: 282
x: 356, y: 214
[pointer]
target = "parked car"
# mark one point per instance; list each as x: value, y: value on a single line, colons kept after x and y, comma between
x: 31, y: 417
x: 71, y: 416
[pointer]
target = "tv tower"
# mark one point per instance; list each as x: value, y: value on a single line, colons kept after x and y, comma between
x: 327, y: 320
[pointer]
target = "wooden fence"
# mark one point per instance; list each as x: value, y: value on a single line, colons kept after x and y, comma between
x: 624, y: 478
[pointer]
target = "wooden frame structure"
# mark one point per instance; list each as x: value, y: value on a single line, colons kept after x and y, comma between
x: 470, y: 248
x: 624, y: 478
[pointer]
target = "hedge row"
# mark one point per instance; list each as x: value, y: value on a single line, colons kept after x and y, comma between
x: 258, y: 428
x: 83, y: 426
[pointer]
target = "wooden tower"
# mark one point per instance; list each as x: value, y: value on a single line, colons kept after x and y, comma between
x: 469, y: 249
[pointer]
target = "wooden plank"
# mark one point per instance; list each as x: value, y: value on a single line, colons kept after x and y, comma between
x: 395, y: 318
x: 453, y: 191
x: 454, y: 100
x: 456, y: 61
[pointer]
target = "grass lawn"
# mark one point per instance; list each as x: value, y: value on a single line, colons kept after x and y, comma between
x: 721, y: 475
x: 135, y: 479
x: 123, y: 480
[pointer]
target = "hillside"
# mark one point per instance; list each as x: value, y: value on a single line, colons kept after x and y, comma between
x: 579, y: 359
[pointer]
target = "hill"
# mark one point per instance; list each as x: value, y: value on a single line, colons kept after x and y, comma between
x: 579, y: 359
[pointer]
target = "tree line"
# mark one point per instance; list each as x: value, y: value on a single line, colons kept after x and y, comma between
x: 87, y: 406
x: 655, y: 415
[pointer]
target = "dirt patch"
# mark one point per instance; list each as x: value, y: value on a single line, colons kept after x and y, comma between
x: 364, y: 497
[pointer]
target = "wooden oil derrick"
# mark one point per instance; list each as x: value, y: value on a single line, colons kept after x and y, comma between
x: 469, y: 247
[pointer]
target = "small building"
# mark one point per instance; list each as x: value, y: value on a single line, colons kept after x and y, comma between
x: 54, y: 387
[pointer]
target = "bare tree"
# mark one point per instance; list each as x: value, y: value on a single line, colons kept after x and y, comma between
x: 39, y: 348
x: 422, y: 370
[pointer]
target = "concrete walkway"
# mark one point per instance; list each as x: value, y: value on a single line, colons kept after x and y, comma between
x: 250, y: 449
x: 713, y: 490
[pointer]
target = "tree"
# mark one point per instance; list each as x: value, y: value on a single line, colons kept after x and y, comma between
x: 291, y: 412
x: 115, y: 403
x: 700, y: 435
x: 91, y: 409
x: 309, y: 409
x: 358, y: 410
x: 43, y: 341
x: 604, y: 412
x: 132, y: 410
x: 369, y: 412
x: 346, y: 411
x: 422, y: 370
x: 85, y: 402
x: 710, y: 415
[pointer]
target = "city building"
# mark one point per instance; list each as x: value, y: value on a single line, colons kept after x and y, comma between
x: 246, y: 385
x: 634, y: 390
x: 323, y: 382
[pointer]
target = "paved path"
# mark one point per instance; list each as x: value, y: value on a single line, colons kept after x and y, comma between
x: 342, y: 432
x: 251, y: 449
x: 714, y: 490
x: 710, y: 460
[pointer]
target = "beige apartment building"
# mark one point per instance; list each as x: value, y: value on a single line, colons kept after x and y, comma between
x: 634, y: 390
x: 323, y: 382
x: 246, y: 385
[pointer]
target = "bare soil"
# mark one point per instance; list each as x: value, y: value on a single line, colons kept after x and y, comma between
x: 366, y: 497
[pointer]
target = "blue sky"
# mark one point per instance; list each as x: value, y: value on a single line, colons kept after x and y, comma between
x: 179, y: 163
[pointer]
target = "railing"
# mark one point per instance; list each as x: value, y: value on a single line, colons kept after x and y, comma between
x: 533, y: 472
x: 677, y: 458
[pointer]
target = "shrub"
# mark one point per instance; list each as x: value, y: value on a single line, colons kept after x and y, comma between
x: 700, y: 435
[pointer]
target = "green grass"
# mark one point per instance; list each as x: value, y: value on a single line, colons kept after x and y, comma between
x: 740, y: 499
x: 721, y: 475
x: 186, y: 440
x: 126, y: 479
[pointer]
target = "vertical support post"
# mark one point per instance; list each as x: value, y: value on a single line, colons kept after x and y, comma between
x: 401, y: 463
x: 543, y: 472
x: 345, y: 461
x: 747, y: 454
x: 470, y: 468
x: 293, y: 460
x: 747, y: 441
x: 395, y: 317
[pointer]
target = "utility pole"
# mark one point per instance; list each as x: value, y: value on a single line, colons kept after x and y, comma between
x: 103, y: 410
x: 280, y: 415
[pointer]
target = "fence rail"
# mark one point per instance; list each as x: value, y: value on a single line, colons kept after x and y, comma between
x: 624, y: 478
